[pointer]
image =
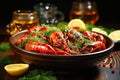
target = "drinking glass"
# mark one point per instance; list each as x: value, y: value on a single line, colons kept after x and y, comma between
x: 49, y: 13
x: 87, y: 11
x: 21, y: 20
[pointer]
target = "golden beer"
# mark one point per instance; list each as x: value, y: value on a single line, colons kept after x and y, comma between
x: 86, y: 11
x: 22, y: 19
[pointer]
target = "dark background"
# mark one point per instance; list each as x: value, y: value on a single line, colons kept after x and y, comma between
x: 108, y: 9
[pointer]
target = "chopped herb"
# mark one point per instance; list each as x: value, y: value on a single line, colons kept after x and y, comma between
x: 37, y: 74
x: 22, y: 45
x: 62, y: 26
x: 48, y: 32
x: 37, y: 39
x: 62, y: 23
x: 5, y: 60
x: 4, y: 47
x: 89, y: 26
x: 46, y: 25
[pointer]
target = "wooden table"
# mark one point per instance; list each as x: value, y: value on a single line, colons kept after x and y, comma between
x: 108, y: 69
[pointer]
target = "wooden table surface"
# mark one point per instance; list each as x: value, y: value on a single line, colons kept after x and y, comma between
x: 108, y: 69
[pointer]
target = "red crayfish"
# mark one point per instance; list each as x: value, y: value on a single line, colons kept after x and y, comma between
x: 98, y: 42
x: 56, y: 39
x: 62, y: 43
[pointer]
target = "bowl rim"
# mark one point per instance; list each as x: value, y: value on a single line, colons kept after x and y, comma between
x: 40, y: 54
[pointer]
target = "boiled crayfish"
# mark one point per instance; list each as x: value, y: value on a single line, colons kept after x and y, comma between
x: 51, y: 40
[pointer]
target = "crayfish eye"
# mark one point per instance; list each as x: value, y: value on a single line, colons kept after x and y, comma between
x: 59, y: 37
x: 63, y: 36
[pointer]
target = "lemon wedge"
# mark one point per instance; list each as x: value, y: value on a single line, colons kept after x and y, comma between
x: 115, y: 35
x: 77, y: 24
x: 100, y: 31
x: 16, y: 69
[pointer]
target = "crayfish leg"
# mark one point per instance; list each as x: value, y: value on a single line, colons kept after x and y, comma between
x: 61, y: 52
x: 45, y: 48
x: 39, y: 47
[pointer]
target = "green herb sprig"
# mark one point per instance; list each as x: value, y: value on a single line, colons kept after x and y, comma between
x: 4, y: 47
x: 37, y: 74
x: 5, y: 60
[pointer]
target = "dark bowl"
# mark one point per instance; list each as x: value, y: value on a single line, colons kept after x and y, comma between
x: 59, y: 62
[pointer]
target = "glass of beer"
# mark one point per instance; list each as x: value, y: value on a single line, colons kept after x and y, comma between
x: 87, y: 11
x: 21, y: 20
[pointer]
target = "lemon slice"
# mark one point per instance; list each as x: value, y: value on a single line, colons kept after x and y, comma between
x: 115, y: 35
x: 100, y: 31
x: 77, y: 24
x: 16, y: 69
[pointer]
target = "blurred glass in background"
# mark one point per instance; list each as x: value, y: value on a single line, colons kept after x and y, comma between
x: 48, y: 13
x: 21, y: 20
x: 85, y: 10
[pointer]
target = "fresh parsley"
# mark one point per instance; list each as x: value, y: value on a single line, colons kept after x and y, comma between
x: 5, y: 60
x: 37, y: 74
x: 4, y: 47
